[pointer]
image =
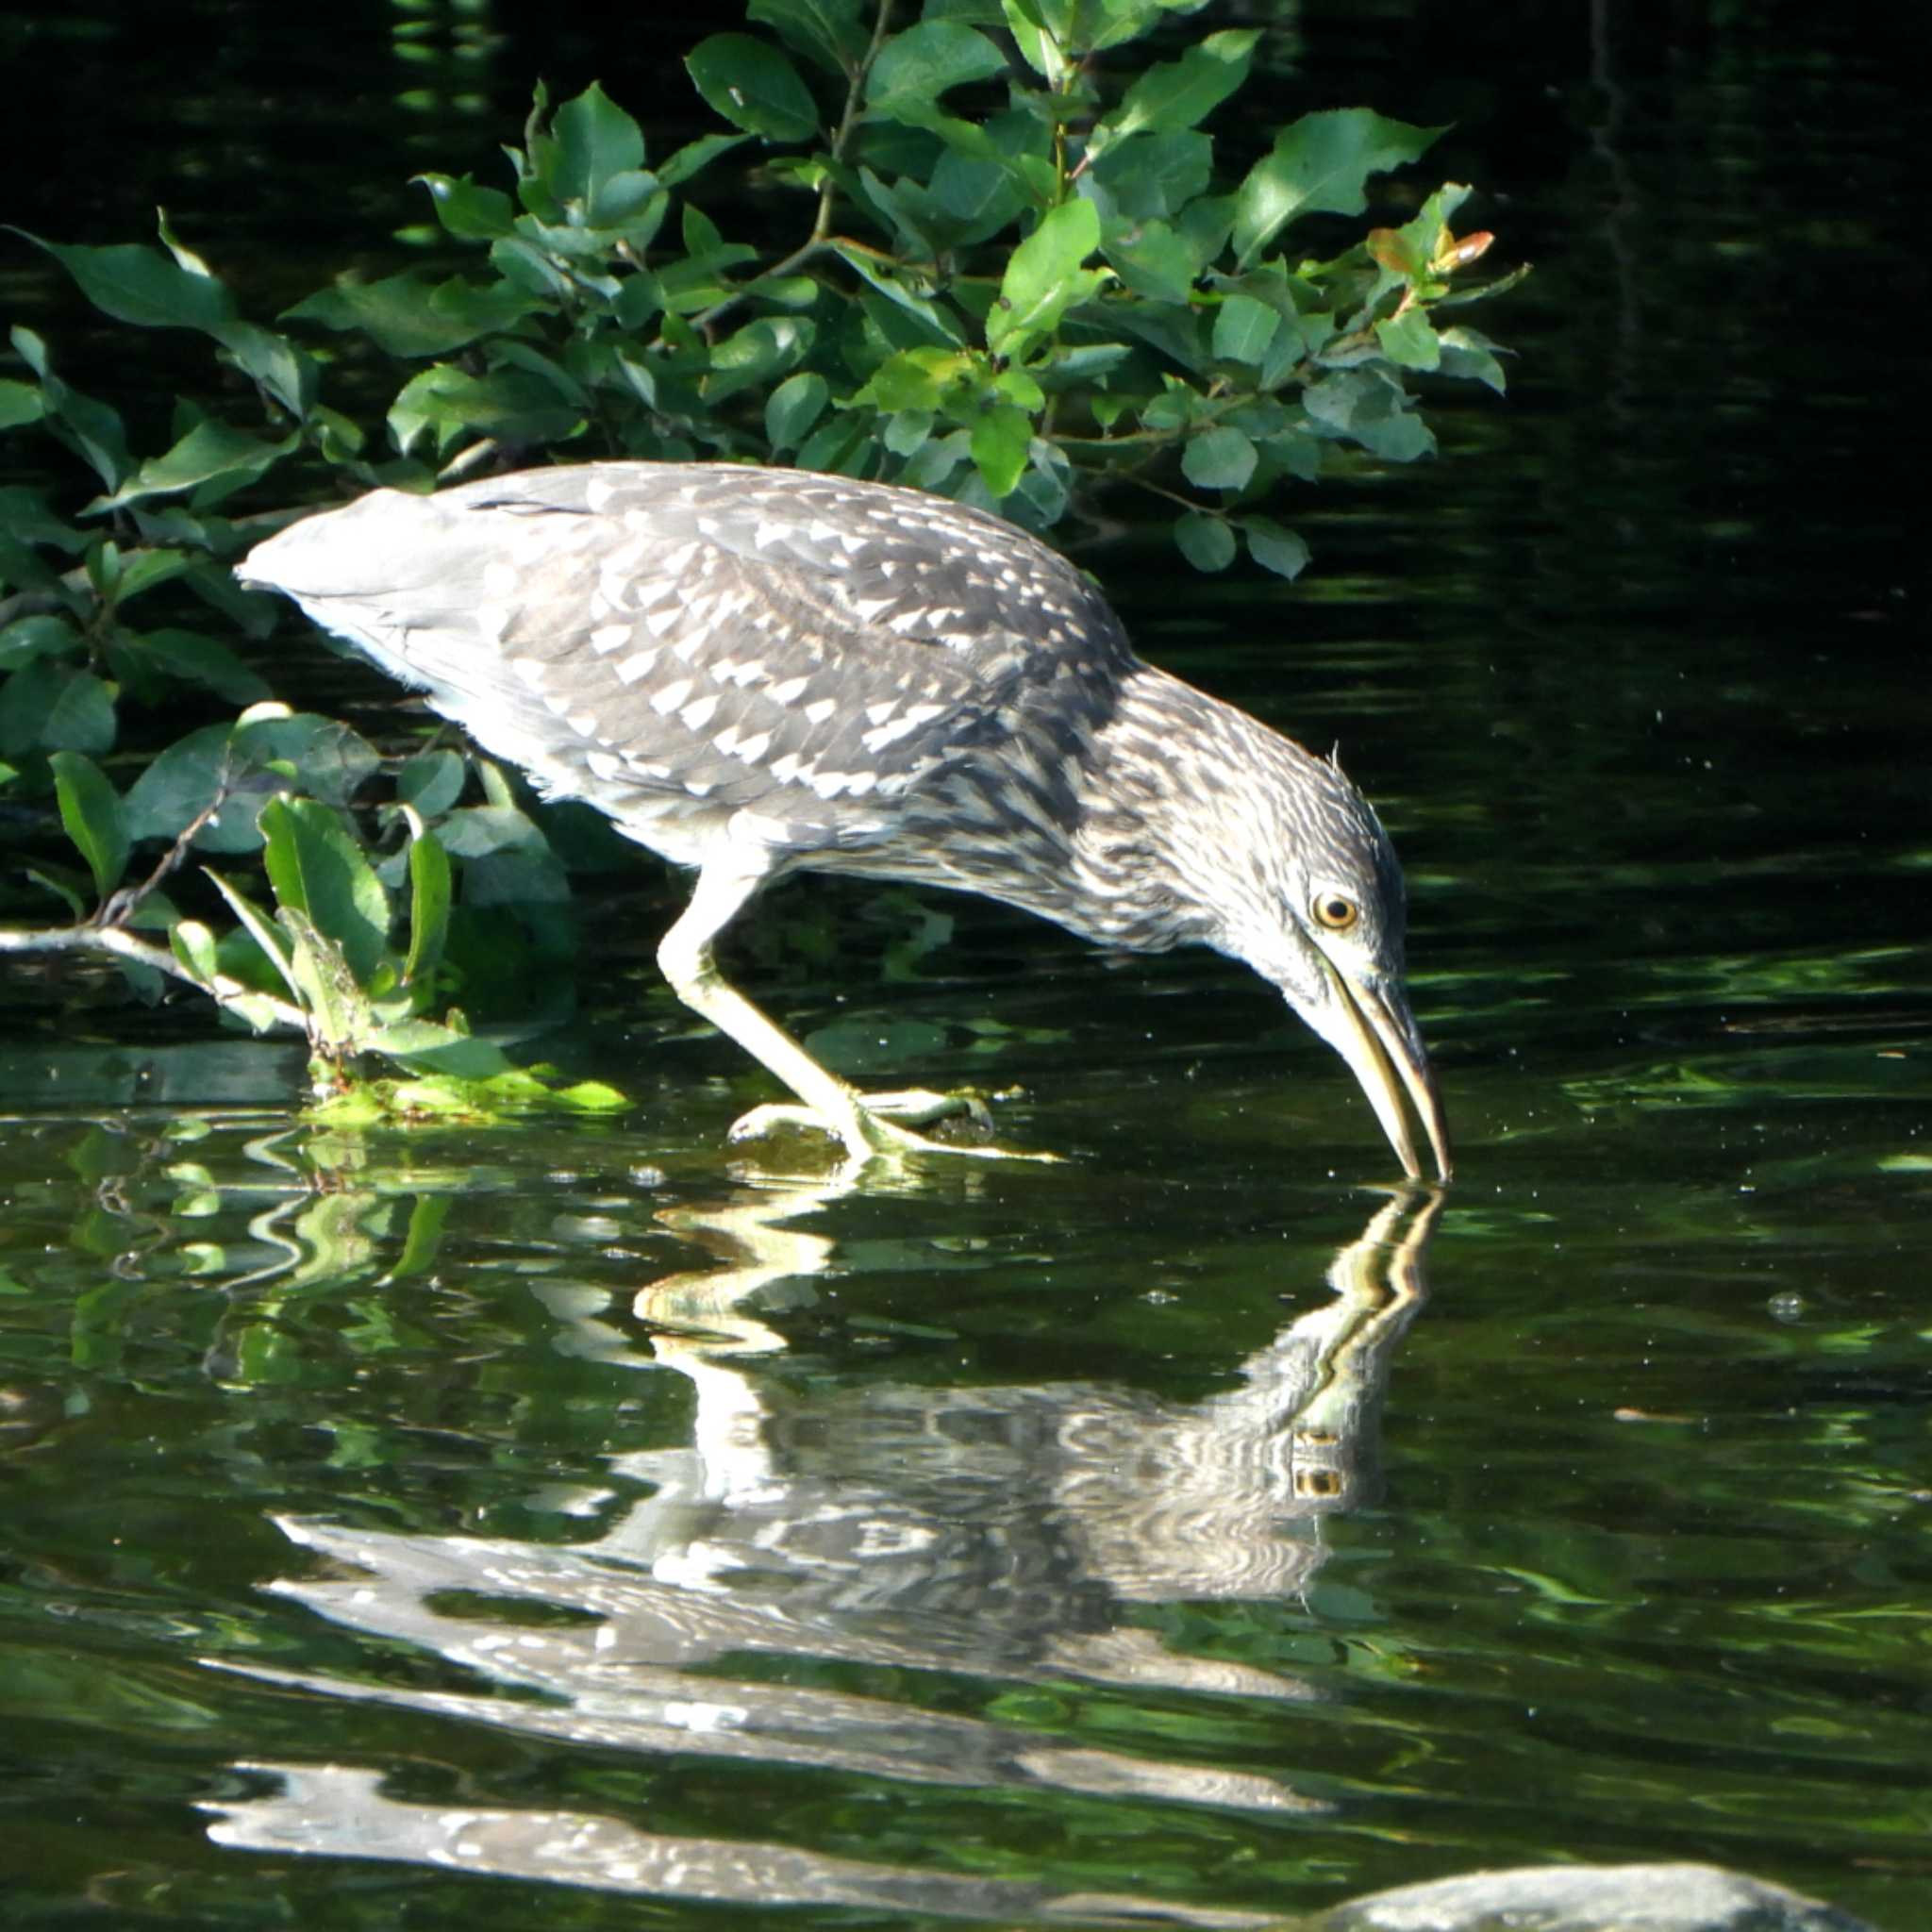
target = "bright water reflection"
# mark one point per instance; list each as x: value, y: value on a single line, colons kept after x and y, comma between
x: 858, y: 1527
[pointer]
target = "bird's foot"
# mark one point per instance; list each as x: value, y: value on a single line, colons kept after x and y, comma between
x: 872, y: 1130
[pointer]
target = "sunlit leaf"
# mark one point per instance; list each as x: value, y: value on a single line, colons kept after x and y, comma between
x: 597, y: 144
x: 1044, y: 277
x: 1321, y: 165
x: 318, y: 870
x: 1000, y: 438
x: 145, y: 286
x: 210, y: 452
x: 429, y: 901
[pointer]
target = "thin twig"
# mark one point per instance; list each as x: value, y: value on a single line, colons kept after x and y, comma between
x: 122, y: 944
x: 117, y: 907
x: 818, y: 242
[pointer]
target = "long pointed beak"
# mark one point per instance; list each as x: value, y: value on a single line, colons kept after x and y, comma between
x: 1376, y: 1034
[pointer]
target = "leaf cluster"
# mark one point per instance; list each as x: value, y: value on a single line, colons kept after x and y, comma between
x: 1010, y: 278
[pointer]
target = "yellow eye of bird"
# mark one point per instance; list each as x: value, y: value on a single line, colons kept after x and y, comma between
x: 1337, y: 911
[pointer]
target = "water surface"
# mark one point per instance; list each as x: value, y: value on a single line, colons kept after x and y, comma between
x: 584, y: 1523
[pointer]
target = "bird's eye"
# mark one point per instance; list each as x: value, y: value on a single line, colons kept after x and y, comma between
x: 1337, y: 911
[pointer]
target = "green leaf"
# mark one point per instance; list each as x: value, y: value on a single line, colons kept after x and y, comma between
x: 47, y: 635
x: 753, y: 86
x: 194, y: 944
x: 1410, y: 340
x: 596, y: 142
x: 916, y: 66
x: 1274, y: 548
x: 287, y: 372
x: 142, y: 569
x: 976, y: 199
x: 1000, y: 438
x: 1155, y: 176
x: 199, y: 659
x: 64, y: 885
x: 432, y: 781
x: 1244, y: 328
x: 1180, y: 94
x: 794, y: 407
x: 1320, y: 165
x: 905, y: 433
x: 409, y: 315
x: 25, y: 517
x: 507, y: 859
x: 445, y: 403
x: 1208, y: 542
x: 91, y: 431
x: 135, y: 283
x: 20, y: 403
x: 1467, y: 352
x: 432, y: 1048
x: 1044, y: 278
x: 1155, y: 259
x: 1365, y: 407
x: 48, y: 706
x: 94, y: 819
x: 329, y: 760
x: 331, y: 996
x: 914, y: 379
x: 210, y: 453
x: 429, y: 900
x: 262, y: 930
x: 1038, y: 47
x: 467, y: 211
x: 753, y: 354
x: 1222, y: 459
x: 319, y: 871
x: 936, y: 460
x: 829, y: 33
x: 937, y: 324
x: 180, y: 784
x: 678, y: 167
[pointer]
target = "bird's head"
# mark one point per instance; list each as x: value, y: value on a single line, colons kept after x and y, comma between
x: 1322, y: 914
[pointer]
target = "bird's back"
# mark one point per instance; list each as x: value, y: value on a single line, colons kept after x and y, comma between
x: 683, y: 643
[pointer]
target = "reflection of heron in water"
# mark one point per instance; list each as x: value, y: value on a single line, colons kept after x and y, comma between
x: 1001, y: 1532
x: 1026, y: 1508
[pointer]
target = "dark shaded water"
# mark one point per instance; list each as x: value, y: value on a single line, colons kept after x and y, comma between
x: 442, y: 1530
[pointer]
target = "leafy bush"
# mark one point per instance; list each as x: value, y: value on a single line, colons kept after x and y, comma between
x: 1013, y: 282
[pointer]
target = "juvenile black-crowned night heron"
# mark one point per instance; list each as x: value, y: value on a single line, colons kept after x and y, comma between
x: 757, y: 672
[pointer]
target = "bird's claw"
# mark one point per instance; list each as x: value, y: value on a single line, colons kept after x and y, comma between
x: 874, y: 1131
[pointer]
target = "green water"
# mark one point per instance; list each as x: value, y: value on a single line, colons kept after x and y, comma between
x: 585, y: 1526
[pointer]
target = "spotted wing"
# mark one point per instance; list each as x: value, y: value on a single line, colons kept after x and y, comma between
x: 702, y: 638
